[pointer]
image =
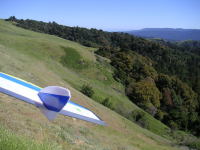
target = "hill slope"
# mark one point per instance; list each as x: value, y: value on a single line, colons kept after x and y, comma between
x: 37, y: 58
x: 168, y: 33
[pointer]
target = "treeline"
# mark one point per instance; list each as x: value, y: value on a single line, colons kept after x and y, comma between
x: 186, y: 46
x: 90, y: 38
x: 161, y: 77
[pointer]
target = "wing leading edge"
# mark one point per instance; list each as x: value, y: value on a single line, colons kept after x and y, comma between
x: 28, y: 92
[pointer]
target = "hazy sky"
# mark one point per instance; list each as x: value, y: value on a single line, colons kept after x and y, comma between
x: 108, y: 14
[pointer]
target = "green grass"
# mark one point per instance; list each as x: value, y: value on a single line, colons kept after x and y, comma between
x: 10, y: 141
x: 37, y: 58
x: 72, y: 59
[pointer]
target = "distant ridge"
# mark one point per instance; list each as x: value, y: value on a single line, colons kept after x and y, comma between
x: 172, y: 34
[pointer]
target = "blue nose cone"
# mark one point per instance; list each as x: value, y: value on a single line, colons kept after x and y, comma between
x: 54, y: 98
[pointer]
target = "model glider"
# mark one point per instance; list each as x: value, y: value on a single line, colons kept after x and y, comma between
x: 51, y: 100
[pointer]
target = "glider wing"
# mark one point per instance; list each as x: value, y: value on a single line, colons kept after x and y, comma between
x: 29, y: 93
x: 19, y: 89
x: 77, y: 111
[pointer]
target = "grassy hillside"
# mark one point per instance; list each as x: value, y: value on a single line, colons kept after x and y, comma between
x: 38, y: 58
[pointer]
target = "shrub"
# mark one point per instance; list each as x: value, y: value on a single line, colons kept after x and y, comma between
x: 87, y: 90
x: 136, y: 115
x: 173, y: 125
x: 195, y: 144
x: 106, y: 102
x: 139, y: 117
x: 160, y: 115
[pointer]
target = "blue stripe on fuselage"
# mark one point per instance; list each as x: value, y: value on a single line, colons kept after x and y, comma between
x: 20, y: 82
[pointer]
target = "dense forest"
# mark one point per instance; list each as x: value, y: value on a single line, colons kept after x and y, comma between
x: 161, y: 77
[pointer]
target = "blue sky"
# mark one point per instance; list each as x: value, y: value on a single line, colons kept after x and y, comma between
x: 109, y: 15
